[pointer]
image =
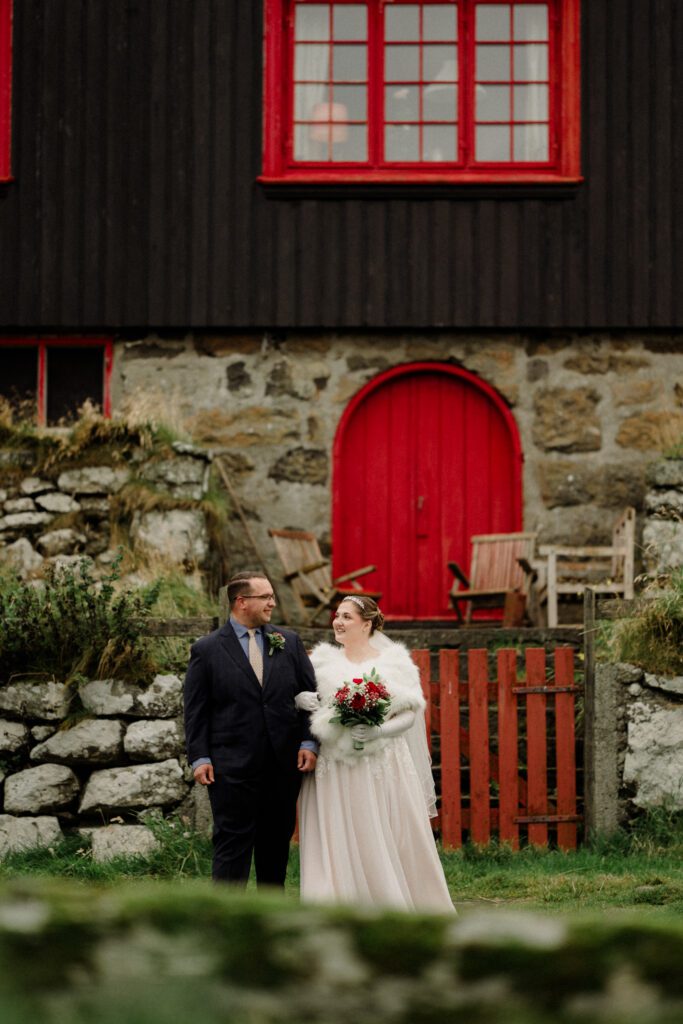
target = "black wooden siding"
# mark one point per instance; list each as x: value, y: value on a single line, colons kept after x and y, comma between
x: 137, y: 145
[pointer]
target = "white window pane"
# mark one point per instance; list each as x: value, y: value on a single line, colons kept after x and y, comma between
x: 493, y: 103
x: 401, y: 142
x: 311, y: 142
x: 350, y: 63
x: 401, y: 103
x: 440, y: 22
x: 530, y: 21
x: 350, y: 21
x: 354, y: 99
x: 493, y: 63
x: 306, y: 99
x: 531, y: 102
x: 312, y: 22
x: 493, y: 142
x: 312, y: 63
x: 440, y: 103
x: 531, y: 142
x: 439, y: 64
x: 439, y: 143
x: 493, y: 22
x: 401, y: 64
x: 353, y: 146
x: 402, y: 22
x: 531, y: 63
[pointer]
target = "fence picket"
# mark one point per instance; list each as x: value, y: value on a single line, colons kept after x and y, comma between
x: 508, y: 754
x: 449, y: 700
x: 480, y: 808
x: 564, y: 747
x: 536, y: 746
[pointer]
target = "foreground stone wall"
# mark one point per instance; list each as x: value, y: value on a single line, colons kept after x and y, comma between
x: 126, y: 759
x: 593, y: 412
x: 158, y: 953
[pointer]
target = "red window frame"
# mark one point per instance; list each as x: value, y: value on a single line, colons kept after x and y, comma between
x: 564, y: 116
x: 5, y: 90
x: 42, y: 345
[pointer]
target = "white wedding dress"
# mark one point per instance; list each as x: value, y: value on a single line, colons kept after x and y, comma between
x: 364, y: 830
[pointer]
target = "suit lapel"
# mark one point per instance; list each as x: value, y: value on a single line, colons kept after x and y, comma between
x: 267, y: 657
x: 234, y: 648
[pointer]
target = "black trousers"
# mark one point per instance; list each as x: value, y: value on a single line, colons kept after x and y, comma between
x: 253, y: 817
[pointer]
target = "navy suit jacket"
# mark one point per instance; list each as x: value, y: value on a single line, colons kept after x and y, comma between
x: 232, y: 719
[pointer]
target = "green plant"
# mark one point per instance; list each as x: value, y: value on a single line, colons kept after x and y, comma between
x: 74, y: 625
x: 652, y: 637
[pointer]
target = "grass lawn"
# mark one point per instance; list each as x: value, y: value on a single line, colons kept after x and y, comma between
x: 642, y: 870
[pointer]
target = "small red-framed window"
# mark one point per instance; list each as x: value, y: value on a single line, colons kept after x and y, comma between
x: 5, y: 89
x: 409, y: 90
x: 49, y: 379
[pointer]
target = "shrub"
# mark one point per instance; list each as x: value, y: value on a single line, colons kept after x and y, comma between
x: 73, y: 625
x: 652, y: 637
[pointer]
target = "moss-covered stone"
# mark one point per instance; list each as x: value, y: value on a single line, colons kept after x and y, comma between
x: 151, y: 953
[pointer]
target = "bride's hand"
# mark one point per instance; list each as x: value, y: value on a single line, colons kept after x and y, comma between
x: 365, y: 733
x: 307, y: 700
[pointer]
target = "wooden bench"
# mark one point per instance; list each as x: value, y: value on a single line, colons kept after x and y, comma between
x: 309, y: 574
x: 607, y: 569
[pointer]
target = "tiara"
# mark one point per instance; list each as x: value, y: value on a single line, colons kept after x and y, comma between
x: 356, y: 600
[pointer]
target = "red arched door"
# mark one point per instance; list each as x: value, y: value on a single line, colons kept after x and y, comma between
x: 425, y: 456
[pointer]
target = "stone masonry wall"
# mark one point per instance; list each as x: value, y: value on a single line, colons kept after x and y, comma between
x: 97, y: 775
x: 64, y: 513
x: 593, y: 411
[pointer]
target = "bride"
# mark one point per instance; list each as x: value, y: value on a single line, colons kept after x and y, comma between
x: 364, y: 829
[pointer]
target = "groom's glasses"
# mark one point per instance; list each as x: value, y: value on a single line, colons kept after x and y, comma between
x: 259, y: 597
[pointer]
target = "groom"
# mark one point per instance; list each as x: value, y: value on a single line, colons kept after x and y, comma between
x: 245, y: 738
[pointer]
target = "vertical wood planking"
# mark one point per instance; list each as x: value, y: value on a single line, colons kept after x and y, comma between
x: 449, y: 700
x: 480, y: 808
x: 508, y: 753
x: 565, y: 747
x: 421, y: 659
x: 536, y: 745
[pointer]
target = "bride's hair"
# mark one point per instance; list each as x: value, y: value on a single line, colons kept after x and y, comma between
x: 368, y: 610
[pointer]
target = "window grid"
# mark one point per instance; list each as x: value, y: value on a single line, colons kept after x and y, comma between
x: 542, y: 112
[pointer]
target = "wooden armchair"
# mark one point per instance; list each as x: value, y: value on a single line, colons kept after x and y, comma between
x: 309, y: 575
x: 607, y: 569
x: 496, y: 578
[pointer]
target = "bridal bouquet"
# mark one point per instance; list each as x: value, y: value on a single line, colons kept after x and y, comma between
x: 363, y: 701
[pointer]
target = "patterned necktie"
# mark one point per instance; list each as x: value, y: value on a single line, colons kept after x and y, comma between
x: 255, y: 656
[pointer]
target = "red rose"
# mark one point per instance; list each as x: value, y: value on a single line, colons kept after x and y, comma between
x: 357, y: 701
x: 358, y: 681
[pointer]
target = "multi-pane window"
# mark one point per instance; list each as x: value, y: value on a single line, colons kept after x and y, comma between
x: 48, y: 380
x: 400, y: 90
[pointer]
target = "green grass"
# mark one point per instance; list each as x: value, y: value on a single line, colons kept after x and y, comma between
x: 640, y: 871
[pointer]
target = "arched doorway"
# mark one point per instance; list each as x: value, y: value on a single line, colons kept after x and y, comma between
x: 425, y: 456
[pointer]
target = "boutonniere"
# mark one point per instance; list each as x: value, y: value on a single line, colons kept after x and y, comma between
x: 276, y: 642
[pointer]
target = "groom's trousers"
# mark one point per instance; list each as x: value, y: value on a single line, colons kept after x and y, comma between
x: 253, y: 816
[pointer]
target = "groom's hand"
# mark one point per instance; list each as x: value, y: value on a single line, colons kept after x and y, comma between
x: 203, y: 774
x: 306, y: 760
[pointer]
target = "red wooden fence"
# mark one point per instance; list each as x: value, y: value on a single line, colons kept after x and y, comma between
x: 506, y: 748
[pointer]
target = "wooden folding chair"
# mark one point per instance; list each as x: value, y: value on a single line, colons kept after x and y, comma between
x: 496, y: 580
x: 309, y: 574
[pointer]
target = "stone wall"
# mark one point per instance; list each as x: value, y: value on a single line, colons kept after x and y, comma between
x: 125, y: 759
x: 170, y: 952
x: 593, y: 411
x: 663, y: 530
x: 636, y: 743
x: 59, y: 514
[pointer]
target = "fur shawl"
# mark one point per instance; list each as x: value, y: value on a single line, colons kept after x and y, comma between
x: 397, y: 671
